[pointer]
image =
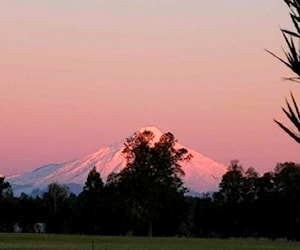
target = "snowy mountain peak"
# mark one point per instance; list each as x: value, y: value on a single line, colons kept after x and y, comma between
x: 201, y: 173
x: 156, y: 132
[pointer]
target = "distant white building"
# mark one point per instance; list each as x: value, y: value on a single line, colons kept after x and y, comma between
x: 39, y: 227
x: 17, y: 228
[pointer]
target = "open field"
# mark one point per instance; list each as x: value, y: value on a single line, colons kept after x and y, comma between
x: 57, y: 242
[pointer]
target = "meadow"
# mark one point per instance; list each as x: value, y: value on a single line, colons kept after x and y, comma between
x: 74, y: 242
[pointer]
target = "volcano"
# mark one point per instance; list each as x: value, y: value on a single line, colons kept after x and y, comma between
x: 202, y: 174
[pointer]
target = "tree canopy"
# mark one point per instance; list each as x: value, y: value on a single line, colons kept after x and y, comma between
x: 152, y: 179
x: 5, y: 188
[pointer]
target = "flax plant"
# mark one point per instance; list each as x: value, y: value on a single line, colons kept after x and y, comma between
x: 292, y: 61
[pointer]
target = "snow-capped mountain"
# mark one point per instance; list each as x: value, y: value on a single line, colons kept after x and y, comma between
x: 201, y: 173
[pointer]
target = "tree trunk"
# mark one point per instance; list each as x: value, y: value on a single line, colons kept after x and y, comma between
x: 150, y: 229
x: 129, y: 233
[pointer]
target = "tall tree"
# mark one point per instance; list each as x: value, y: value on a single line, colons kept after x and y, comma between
x: 94, y: 184
x: 7, y: 209
x: 232, y: 184
x: 230, y: 199
x: 287, y: 183
x: 92, y: 203
x: 55, y: 198
x: 292, y: 61
x: 152, y: 178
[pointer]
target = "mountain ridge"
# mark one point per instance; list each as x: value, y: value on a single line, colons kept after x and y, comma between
x: 201, y: 173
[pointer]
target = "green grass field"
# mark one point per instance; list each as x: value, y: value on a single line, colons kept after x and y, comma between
x: 57, y: 242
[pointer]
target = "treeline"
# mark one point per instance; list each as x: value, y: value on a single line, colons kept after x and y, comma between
x: 145, y: 198
x: 246, y: 205
x: 249, y: 205
x: 148, y: 198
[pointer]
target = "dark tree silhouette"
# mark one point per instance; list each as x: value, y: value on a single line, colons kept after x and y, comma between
x: 151, y: 181
x: 55, y: 198
x: 94, y: 184
x: 5, y: 188
x: 287, y: 181
x: 92, y: 203
x: 7, y: 209
x: 231, y: 186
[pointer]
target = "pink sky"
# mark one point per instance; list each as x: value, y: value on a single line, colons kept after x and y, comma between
x: 78, y: 75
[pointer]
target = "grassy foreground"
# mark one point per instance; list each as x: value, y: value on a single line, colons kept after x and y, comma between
x: 57, y: 242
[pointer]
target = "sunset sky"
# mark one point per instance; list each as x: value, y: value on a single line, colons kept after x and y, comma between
x: 77, y: 75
